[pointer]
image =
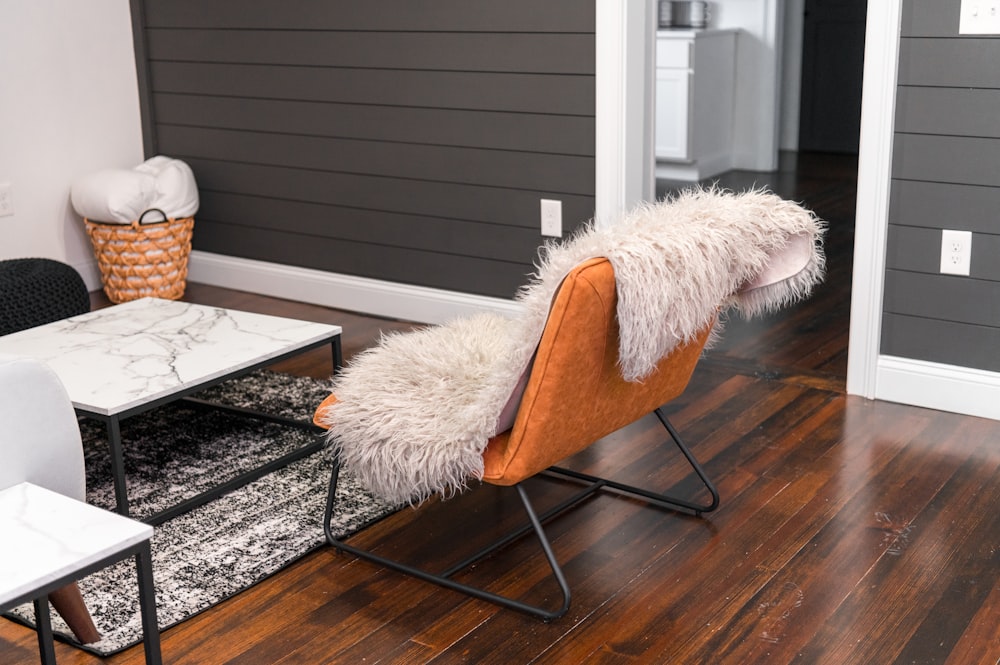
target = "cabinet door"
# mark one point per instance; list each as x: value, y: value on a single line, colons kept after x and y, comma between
x: 673, y: 87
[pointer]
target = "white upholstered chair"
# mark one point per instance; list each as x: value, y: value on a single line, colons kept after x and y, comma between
x: 40, y: 443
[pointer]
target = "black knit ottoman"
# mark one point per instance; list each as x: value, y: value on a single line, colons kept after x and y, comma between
x: 38, y: 291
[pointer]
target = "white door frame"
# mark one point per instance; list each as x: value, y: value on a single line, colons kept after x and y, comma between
x: 623, y: 68
x: 878, y: 109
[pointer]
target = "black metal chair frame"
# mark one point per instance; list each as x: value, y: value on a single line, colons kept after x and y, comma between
x: 593, y: 484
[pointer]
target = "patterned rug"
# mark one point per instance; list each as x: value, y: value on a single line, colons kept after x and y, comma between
x: 211, y: 553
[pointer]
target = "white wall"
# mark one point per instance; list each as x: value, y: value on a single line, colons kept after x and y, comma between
x: 69, y: 105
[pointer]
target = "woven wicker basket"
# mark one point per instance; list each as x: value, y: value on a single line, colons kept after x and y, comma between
x: 142, y: 260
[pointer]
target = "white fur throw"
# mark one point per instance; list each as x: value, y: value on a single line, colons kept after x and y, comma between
x: 415, y: 413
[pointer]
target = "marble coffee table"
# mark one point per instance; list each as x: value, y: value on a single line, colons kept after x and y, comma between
x: 52, y: 540
x: 126, y: 359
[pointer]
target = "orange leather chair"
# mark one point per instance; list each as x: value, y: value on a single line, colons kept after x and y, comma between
x: 574, y: 396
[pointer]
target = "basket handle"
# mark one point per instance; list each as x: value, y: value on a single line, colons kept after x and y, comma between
x: 149, y: 210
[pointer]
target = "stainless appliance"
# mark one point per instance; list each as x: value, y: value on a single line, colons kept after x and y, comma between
x: 683, y: 14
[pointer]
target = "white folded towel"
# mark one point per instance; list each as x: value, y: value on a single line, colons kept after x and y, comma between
x: 121, y: 196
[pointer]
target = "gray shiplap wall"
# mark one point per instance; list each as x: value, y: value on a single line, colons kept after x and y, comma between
x: 946, y: 175
x: 402, y: 140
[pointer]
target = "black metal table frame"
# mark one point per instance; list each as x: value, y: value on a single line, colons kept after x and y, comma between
x: 113, y: 423
x: 147, y: 601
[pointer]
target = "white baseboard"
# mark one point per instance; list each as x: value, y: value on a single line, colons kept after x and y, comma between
x: 356, y: 294
x: 90, y: 273
x: 694, y: 171
x: 962, y: 390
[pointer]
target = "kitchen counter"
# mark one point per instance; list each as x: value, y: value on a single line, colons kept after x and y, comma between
x: 695, y: 92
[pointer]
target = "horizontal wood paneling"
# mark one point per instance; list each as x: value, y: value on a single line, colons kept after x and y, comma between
x: 918, y: 249
x: 416, y: 15
x: 945, y: 297
x: 940, y: 341
x: 460, y: 51
x: 944, y: 206
x: 454, y: 236
x: 530, y: 132
x: 497, y: 168
x: 970, y: 61
x: 930, y: 18
x: 521, y: 93
x: 969, y: 112
x: 913, y: 248
x: 954, y: 159
x: 454, y: 201
x: 404, y: 130
x: 397, y: 264
x: 946, y: 154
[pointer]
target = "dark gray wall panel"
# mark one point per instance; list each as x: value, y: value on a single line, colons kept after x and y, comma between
x: 403, y: 140
x: 510, y: 207
x: 523, y: 93
x: 914, y: 249
x: 954, y: 159
x: 970, y: 61
x: 379, y: 227
x: 946, y: 160
x: 944, y: 206
x: 432, y: 269
x: 941, y: 341
x: 951, y: 111
x: 417, y: 15
x: 945, y: 297
x: 918, y: 249
x: 531, y: 132
x: 498, y: 168
x: 930, y: 18
x: 477, y: 52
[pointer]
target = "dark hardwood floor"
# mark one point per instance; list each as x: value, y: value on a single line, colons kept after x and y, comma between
x: 850, y: 531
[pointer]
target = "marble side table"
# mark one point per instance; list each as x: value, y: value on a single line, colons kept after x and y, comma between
x: 51, y: 540
x: 126, y: 359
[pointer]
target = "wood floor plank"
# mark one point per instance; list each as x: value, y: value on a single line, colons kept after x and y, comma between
x: 806, y: 590
x: 938, y: 584
x: 980, y: 641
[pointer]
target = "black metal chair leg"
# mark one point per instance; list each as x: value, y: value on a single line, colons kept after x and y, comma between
x: 444, y: 579
x: 594, y: 485
x: 709, y: 485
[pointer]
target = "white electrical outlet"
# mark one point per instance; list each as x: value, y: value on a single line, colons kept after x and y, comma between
x: 979, y: 17
x: 956, y: 252
x: 6, y: 200
x: 552, y: 218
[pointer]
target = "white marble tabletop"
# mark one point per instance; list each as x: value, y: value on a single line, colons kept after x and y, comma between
x: 124, y: 356
x: 47, y: 536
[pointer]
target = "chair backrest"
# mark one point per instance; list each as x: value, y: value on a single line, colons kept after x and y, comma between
x: 39, y: 435
x: 575, y: 393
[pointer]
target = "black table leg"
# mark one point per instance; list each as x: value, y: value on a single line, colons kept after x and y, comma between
x: 147, y: 605
x: 118, y: 464
x: 43, y: 620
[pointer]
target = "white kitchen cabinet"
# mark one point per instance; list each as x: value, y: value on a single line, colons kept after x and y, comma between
x: 695, y: 92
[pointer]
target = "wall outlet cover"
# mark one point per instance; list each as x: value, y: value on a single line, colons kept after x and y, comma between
x: 979, y: 17
x: 551, y: 211
x: 956, y: 252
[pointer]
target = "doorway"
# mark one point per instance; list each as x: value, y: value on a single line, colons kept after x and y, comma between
x: 833, y: 56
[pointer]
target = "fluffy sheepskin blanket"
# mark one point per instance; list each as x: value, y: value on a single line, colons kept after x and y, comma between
x: 414, y: 414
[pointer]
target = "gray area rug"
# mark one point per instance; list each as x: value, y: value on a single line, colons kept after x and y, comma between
x: 204, y: 556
